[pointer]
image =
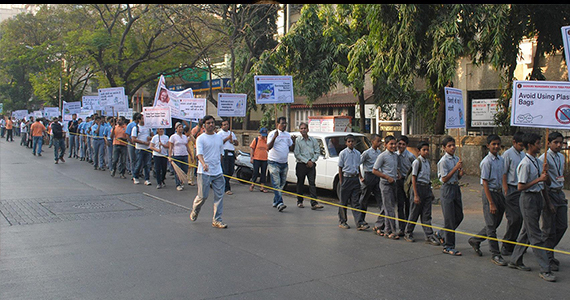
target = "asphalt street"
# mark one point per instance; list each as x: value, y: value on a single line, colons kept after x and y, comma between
x: 70, y: 232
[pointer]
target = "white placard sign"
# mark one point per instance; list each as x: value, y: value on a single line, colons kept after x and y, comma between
x: 232, y: 105
x: 51, y: 112
x: 454, y: 115
x: 194, y: 108
x: 273, y: 89
x: 483, y: 112
x: 114, y: 97
x: 544, y: 104
x: 157, y: 117
x: 566, y: 42
x: 167, y: 98
x: 91, y: 102
x: 20, y: 114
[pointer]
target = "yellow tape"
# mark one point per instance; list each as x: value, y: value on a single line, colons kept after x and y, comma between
x: 375, y: 214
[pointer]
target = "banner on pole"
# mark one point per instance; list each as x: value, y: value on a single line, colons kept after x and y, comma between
x: 454, y: 115
x: 232, y: 105
x: 157, y: 117
x: 166, y: 98
x: 544, y: 104
x: 273, y: 89
x: 91, y: 102
x: 114, y: 97
x: 192, y: 108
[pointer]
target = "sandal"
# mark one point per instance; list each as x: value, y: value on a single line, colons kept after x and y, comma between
x: 451, y: 251
x: 251, y: 188
x: 378, y: 231
x: 263, y: 190
x: 394, y: 236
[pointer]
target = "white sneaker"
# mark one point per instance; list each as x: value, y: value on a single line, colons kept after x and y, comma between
x: 179, y: 188
x: 147, y: 182
x: 136, y: 181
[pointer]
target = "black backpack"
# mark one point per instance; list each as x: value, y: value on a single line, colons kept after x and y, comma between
x: 408, y: 180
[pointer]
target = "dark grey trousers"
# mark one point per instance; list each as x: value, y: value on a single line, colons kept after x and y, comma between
x: 514, y: 217
x: 371, y: 187
x: 492, y: 221
x: 422, y: 210
x: 531, y: 207
x: 452, y: 208
x: 554, y: 225
x: 349, y: 196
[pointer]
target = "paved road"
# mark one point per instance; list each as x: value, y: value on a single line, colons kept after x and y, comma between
x: 69, y: 232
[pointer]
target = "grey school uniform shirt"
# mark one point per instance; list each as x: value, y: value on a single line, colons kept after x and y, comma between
x: 555, y: 168
x: 349, y: 161
x: 512, y: 159
x: 492, y: 170
x: 368, y: 158
x: 445, y: 165
x: 528, y: 170
x: 387, y: 163
x: 424, y: 173
x: 406, y: 159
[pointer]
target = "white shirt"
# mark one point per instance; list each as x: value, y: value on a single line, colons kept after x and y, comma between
x: 156, y: 140
x: 23, y: 127
x: 211, y: 147
x: 227, y: 144
x: 142, y: 136
x: 280, y: 151
x: 179, y: 143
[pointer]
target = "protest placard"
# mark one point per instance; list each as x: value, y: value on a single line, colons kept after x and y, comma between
x: 543, y: 104
x: 91, y: 102
x: 232, y: 105
x: 20, y: 114
x: 114, y: 97
x: 192, y: 108
x: 273, y: 89
x: 166, y: 98
x: 157, y: 117
x: 454, y: 115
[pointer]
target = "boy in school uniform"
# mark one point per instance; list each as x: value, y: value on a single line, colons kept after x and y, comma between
x: 405, y: 159
x: 554, y: 224
x: 349, y: 179
x: 386, y: 167
x: 370, y: 184
x: 512, y: 157
x: 532, y: 177
x: 450, y: 171
x: 492, y: 171
x: 421, y: 196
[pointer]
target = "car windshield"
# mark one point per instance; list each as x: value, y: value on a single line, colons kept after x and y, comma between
x: 335, y: 144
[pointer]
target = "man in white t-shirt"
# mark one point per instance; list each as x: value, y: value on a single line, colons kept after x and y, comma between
x: 228, y: 156
x: 141, y: 136
x: 209, y: 150
x: 279, y: 143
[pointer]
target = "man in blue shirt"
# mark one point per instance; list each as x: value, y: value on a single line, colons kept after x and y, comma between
x: 98, y: 138
x: 131, y: 153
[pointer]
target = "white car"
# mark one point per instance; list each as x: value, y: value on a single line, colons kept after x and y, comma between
x: 327, y: 166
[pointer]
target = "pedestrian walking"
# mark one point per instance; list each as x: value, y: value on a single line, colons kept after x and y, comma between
x: 178, y: 153
x: 58, y: 137
x: 72, y: 129
x: 370, y: 184
x: 120, y: 141
x: 228, y: 156
x: 141, y: 136
x: 280, y: 143
x: 9, y: 130
x: 38, y: 130
x: 386, y: 167
x: 405, y: 159
x: 209, y: 151
x: 98, y: 141
x: 159, y: 145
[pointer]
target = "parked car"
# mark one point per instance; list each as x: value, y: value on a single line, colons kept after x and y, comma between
x: 331, y: 144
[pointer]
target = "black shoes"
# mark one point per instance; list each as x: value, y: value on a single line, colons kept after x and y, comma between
x: 498, y: 260
x: 476, y: 247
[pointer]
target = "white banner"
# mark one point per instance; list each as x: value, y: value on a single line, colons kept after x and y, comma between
x: 454, y: 115
x: 91, y: 102
x: 157, y: 117
x: 83, y: 114
x: 232, y: 105
x: 114, y: 97
x: 194, y: 108
x: 544, y: 104
x: 483, y: 112
x: 566, y: 42
x: 20, y: 114
x: 51, y: 112
x: 166, y: 98
x: 273, y: 89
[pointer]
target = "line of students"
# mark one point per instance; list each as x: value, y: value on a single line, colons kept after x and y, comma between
x: 520, y: 186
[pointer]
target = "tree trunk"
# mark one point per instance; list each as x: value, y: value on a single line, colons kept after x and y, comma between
x: 439, y: 127
x: 361, y: 102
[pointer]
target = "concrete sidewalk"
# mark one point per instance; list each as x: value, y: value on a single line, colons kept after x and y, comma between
x: 69, y: 232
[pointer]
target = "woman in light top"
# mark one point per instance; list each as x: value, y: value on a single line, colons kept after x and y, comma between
x: 178, y: 152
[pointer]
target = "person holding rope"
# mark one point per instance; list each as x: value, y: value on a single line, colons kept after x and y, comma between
x: 178, y: 153
x: 119, y: 136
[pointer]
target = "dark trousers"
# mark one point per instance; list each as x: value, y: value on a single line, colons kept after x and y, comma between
x: 143, y: 161
x: 9, y: 135
x: 421, y: 210
x: 390, y: 205
x: 160, y: 168
x: 228, y: 167
x: 371, y: 187
x: 492, y: 221
x: 303, y: 171
x: 554, y: 225
x: 120, y: 158
x: 514, y: 217
x: 452, y: 209
x: 257, y: 165
x: 349, y: 195
x: 403, y: 204
x: 531, y: 208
